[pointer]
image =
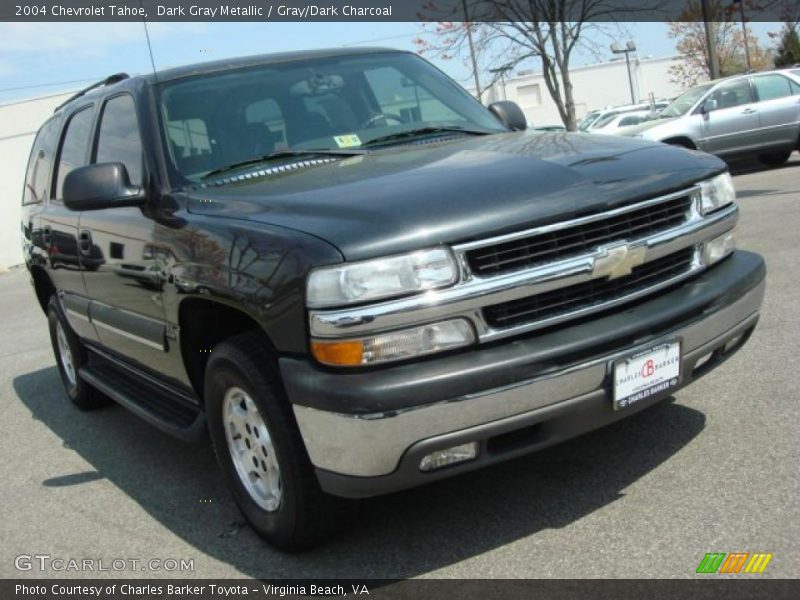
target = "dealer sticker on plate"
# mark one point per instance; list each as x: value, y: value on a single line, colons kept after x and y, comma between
x: 647, y: 373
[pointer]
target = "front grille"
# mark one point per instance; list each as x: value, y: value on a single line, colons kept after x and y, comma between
x: 578, y: 239
x: 589, y: 294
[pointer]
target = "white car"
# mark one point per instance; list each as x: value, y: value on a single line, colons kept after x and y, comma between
x: 612, y: 123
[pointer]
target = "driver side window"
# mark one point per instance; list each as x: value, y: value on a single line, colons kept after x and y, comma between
x: 733, y: 94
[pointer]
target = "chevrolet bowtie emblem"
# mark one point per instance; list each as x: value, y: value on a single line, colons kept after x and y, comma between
x: 618, y: 260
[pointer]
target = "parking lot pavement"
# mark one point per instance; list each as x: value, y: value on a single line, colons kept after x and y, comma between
x: 715, y: 469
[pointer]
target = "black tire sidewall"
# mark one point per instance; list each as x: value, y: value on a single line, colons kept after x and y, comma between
x: 56, y: 317
x: 278, y: 526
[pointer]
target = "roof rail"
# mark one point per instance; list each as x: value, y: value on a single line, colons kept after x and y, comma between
x: 111, y: 79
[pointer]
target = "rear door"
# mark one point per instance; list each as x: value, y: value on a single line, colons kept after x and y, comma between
x: 125, y: 286
x: 59, y: 225
x: 778, y: 109
x: 733, y: 127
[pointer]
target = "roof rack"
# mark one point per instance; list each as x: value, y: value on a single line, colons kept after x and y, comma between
x: 111, y: 79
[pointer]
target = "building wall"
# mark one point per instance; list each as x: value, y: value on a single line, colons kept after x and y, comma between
x: 594, y: 86
x: 19, y: 123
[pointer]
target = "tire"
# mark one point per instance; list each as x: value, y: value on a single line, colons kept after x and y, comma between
x: 245, y: 400
x: 774, y: 159
x: 681, y: 143
x: 71, y: 355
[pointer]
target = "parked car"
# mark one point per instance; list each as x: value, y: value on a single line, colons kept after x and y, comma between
x: 592, y: 117
x: 612, y: 124
x: 363, y: 280
x: 746, y: 115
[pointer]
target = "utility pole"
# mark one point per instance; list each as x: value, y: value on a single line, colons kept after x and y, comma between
x: 744, y: 34
x: 468, y: 25
x: 711, y: 41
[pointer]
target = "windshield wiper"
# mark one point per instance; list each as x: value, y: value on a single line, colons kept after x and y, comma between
x: 423, y: 131
x: 283, y: 154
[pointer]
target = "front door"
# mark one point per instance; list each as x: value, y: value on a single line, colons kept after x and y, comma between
x: 125, y: 288
x: 733, y: 126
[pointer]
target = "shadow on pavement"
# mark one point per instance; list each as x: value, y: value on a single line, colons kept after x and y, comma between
x: 403, y: 535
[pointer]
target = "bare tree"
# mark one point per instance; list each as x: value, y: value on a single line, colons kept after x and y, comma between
x: 730, y: 39
x: 505, y: 33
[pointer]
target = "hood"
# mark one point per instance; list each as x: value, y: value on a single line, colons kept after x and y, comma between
x: 417, y: 195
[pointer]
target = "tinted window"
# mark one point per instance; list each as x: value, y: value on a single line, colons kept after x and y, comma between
x: 119, y: 139
x: 74, y: 146
x: 733, y: 94
x: 37, y: 179
x: 770, y: 87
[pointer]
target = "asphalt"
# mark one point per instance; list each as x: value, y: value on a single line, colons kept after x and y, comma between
x: 714, y: 469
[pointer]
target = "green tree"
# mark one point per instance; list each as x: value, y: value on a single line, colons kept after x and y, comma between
x: 788, y: 51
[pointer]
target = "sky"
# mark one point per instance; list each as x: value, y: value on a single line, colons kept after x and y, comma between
x: 37, y: 59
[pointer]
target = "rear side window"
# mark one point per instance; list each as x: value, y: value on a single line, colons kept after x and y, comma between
x: 74, y: 146
x: 771, y: 87
x: 37, y: 178
x: 119, y: 140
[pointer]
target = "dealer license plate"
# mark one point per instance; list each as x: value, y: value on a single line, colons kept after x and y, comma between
x: 647, y: 373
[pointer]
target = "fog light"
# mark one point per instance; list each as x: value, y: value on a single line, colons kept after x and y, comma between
x: 449, y: 456
x: 720, y: 247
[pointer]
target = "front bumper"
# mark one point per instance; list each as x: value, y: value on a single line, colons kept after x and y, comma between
x: 366, y: 432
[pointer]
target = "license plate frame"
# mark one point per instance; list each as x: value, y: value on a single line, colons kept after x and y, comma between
x: 645, y: 374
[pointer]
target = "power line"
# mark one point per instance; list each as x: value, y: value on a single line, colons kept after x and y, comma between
x: 41, y: 85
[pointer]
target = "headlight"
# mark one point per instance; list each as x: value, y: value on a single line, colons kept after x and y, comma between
x: 716, y: 193
x: 381, y: 278
x: 394, y: 345
x: 718, y: 248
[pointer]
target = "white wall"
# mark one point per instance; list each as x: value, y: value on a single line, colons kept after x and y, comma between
x: 594, y: 86
x: 19, y: 123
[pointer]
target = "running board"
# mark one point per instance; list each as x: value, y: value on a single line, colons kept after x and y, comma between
x: 169, y: 411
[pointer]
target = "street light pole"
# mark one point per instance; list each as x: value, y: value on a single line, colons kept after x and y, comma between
x: 501, y: 71
x: 711, y: 41
x: 629, y: 47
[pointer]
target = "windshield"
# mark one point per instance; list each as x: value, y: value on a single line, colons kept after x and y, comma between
x: 588, y: 120
x: 683, y: 103
x: 337, y: 103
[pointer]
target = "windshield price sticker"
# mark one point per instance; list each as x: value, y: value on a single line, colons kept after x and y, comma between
x: 646, y: 374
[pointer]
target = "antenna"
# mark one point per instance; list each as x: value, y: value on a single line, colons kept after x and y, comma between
x: 149, y: 45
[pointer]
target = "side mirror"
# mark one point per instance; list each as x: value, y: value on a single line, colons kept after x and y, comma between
x: 104, y: 185
x: 709, y: 105
x: 509, y: 114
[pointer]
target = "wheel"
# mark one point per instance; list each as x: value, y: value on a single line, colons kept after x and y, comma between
x: 71, y: 355
x: 261, y: 452
x: 774, y: 159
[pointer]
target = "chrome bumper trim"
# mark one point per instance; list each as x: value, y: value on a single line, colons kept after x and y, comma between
x: 372, y: 445
x: 468, y: 298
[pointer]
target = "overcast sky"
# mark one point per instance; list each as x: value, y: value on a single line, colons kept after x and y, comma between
x: 37, y: 59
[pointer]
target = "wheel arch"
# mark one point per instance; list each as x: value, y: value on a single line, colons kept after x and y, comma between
x: 203, y: 325
x: 681, y: 140
x: 43, y: 286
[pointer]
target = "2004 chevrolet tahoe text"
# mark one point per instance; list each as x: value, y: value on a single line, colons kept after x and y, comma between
x: 359, y: 279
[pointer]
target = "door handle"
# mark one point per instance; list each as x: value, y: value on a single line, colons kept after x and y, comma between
x: 85, y: 242
x: 748, y: 111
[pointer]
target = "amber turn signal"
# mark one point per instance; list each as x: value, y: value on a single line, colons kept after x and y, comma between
x: 339, y: 353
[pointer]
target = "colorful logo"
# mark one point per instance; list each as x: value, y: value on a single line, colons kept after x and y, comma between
x: 735, y: 562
